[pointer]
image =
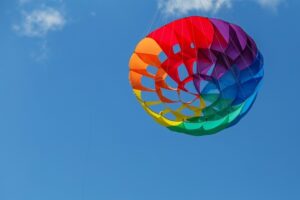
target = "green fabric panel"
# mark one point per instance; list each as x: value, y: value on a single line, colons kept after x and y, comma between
x: 235, y: 114
x: 200, y: 126
x: 197, y: 132
x: 213, y: 124
x: 210, y: 97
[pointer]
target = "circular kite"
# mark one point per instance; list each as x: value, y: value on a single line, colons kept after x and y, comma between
x: 196, y: 75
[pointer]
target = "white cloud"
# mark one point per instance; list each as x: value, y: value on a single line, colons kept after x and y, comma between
x: 175, y: 7
x: 172, y: 7
x: 270, y: 3
x: 40, y: 21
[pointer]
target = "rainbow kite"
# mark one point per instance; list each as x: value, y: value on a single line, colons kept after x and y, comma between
x: 196, y: 75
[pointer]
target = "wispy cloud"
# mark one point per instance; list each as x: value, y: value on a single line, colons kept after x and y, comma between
x: 273, y: 4
x: 37, y: 18
x: 39, y: 22
x: 172, y: 7
x: 177, y: 7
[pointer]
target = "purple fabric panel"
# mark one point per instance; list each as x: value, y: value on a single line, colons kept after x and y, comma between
x: 205, y: 60
x: 222, y: 27
x: 221, y: 37
x: 196, y: 80
x: 241, y: 35
x: 245, y: 59
x: 222, y: 65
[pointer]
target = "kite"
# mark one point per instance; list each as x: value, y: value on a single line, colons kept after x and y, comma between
x: 196, y: 75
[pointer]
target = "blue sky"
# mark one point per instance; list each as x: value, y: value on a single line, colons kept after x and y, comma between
x: 70, y: 127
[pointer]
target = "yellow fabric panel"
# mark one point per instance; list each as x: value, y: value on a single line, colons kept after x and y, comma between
x: 157, y: 117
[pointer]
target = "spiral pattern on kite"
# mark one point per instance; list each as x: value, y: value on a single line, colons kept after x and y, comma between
x: 196, y: 75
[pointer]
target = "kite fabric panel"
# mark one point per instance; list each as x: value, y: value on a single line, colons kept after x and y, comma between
x: 196, y: 75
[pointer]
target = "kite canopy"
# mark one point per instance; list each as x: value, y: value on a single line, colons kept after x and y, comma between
x: 196, y: 75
